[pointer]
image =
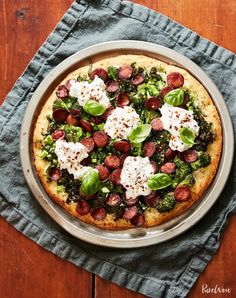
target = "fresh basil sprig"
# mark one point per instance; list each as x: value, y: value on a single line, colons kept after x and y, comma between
x: 90, y: 183
x: 159, y: 181
x: 140, y: 133
x: 94, y: 108
x: 175, y: 97
x: 187, y: 135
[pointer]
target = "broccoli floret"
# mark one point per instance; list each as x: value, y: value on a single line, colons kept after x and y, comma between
x: 188, y: 181
x: 73, y: 133
x: 203, y: 160
x: 147, y: 116
x: 182, y: 170
x: 148, y: 90
x: 166, y: 204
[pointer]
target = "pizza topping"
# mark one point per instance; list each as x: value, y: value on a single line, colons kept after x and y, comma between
x: 99, y: 213
x: 168, y: 168
x: 54, y: 174
x: 152, y: 200
x: 69, y: 157
x: 153, y: 103
x: 75, y: 113
x: 112, y: 86
x: 69, y: 83
x: 182, y: 193
x: 175, y: 79
x: 103, y: 172
x: 84, y: 91
x: 125, y: 72
x: 86, y: 125
x: 122, y: 99
x: 130, y: 212
x: 138, y: 220
x: 167, y: 203
x: 112, y: 161
x: 72, y: 121
x: 88, y: 144
x: 58, y: 134
x: 130, y: 201
x: 149, y: 149
x: 157, y: 124
x: 100, y: 139
x: 113, y: 199
x: 165, y: 90
x: 190, y: 155
x: 134, y: 175
x: 174, y: 119
x: 120, y: 122
x: 138, y: 79
x: 82, y: 207
x: 115, y: 176
x: 170, y: 154
x: 122, y: 146
x: 100, y: 73
x: 62, y: 91
x: 60, y: 115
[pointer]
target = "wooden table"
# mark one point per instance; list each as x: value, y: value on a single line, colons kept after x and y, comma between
x: 28, y: 270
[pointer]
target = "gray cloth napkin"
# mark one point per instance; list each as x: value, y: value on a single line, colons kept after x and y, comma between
x: 165, y: 270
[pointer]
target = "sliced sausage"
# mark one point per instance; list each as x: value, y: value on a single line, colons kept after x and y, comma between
x: 103, y: 172
x: 125, y: 72
x: 69, y: 83
x: 138, y: 220
x: 138, y: 79
x: 99, y: 72
x: 123, y: 146
x: 86, y: 125
x: 60, y: 115
x: 112, y: 86
x: 168, y: 168
x: 154, y: 165
x: 75, y: 113
x: 170, y: 154
x: 122, y: 159
x: 175, y: 79
x: 130, y: 212
x: 107, y: 113
x: 62, y: 92
x: 88, y: 143
x: 55, y: 174
x: 122, y: 99
x: 165, y: 90
x: 113, y: 200
x: 99, y: 213
x: 190, y: 155
x: 115, y: 177
x: 157, y: 124
x: 149, y: 149
x: 100, y: 139
x: 72, y: 121
x: 130, y: 201
x: 182, y: 193
x: 112, y: 161
x: 153, y: 103
x: 58, y: 134
x: 152, y: 199
x: 82, y: 207
x: 96, y: 119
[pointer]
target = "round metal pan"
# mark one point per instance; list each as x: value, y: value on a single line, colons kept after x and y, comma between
x: 136, y: 237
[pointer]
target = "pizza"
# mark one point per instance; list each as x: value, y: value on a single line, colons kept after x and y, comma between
x: 127, y: 141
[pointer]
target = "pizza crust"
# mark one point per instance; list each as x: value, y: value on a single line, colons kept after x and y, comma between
x: 203, y: 177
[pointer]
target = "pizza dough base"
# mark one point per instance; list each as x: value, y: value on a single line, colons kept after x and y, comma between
x: 203, y: 176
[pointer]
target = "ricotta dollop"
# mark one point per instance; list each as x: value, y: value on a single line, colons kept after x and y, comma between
x: 120, y: 122
x: 173, y: 119
x: 70, y: 155
x: 134, y: 175
x: 84, y: 91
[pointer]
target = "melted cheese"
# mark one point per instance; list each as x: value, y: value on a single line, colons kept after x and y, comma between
x: 121, y: 121
x: 134, y: 175
x: 69, y: 157
x: 85, y: 91
x: 173, y: 120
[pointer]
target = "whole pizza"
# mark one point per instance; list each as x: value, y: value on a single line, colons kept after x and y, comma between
x: 127, y: 141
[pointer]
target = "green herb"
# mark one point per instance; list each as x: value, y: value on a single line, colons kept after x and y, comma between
x: 188, y: 181
x: 94, y: 108
x: 187, y: 135
x: 174, y: 97
x: 136, y: 149
x: 182, y: 171
x: 203, y: 160
x: 73, y: 133
x: 159, y: 181
x: 148, y: 90
x: 166, y: 204
x: 99, y: 126
x: 90, y: 183
x: 112, y: 72
x: 140, y: 133
x: 48, y: 140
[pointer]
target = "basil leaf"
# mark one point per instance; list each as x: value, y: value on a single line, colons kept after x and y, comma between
x: 90, y: 183
x: 94, y: 108
x: 187, y: 135
x: 175, y: 97
x: 159, y: 181
x: 139, y: 133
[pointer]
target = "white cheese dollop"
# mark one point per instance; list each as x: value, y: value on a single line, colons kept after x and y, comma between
x: 120, y: 122
x: 69, y: 157
x: 173, y: 120
x: 85, y: 91
x: 134, y: 175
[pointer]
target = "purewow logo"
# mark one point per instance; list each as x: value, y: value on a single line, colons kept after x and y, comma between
x: 215, y: 290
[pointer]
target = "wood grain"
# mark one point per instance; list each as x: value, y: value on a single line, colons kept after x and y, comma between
x: 27, y: 270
